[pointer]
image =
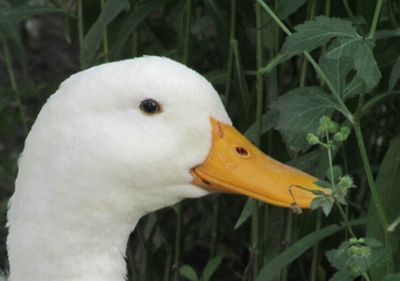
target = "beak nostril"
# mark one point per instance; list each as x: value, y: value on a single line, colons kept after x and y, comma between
x: 241, y: 151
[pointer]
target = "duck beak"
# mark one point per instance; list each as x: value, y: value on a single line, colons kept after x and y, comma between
x: 235, y: 165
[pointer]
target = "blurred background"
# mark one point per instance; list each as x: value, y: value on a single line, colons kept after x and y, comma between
x: 237, y: 46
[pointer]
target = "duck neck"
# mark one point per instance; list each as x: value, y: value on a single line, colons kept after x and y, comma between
x: 67, y: 237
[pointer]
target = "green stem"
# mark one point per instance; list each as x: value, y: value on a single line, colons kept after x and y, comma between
x: 255, y: 239
x: 80, y: 23
x: 315, y: 256
x: 214, y: 230
x: 288, y: 239
x: 178, y: 233
x: 304, y: 67
x: 374, y: 23
x: 232, y: 31
x: 365, y: 275
x: 186, y: 32
x: 14, y: 85
x: 330, y: 159
x: 105, y: 38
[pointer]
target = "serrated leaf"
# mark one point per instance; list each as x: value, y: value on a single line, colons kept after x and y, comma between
x: 246, y: 212
x: 316, y: 203
x: 317, y: 32
x: 131, y: 22
x: 93, y: 38
x: 285, y: 8
x: 394, y: 74
x: 299, y: 113
x: 211, y: 267
x: 274, y: 267
x: 188, y: 272
x: 366, y: 66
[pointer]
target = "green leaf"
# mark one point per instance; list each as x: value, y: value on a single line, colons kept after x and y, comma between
x: 327, y: 206
x: 366, y: 66
x: 93, y: 38
x: 388, y: 182
x: 246, y: 212
x: 300, y: 111
x: 354, y: 88
x: 268, y: 121
x: 211, y: 267
x: 285, y: 8
x: 131, y: 22
x: 395, y: 74
x: 337, y: 70
x: 274, y: 267
x: 392, y: 277
x: 317, y: 32
x: 347, y: 48
x: 188, y: 272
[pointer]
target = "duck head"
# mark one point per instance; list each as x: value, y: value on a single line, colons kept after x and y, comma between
x: 117, y: 141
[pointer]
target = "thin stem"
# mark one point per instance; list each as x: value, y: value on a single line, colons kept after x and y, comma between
x: 259, y: 108
x: 377, y: 14
x: 105, y: 38
x: 178, y: 233
x: 288, y: 239
x: 232, y: 31
x: 315, y: 256
x: 80, y: 23
x: 365, y: 275
x: 186, y: 32
x: 214, y: 230
x: 14, y: 85
x: 304, y: 67
x: 330, y: 159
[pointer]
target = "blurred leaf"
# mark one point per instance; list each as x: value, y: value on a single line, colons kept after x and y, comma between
x: 273, y: 268
x: 300, y: 111
x: 131, y: 22
x: 188, y: 272
x: 93, y: 38
x: 285, y: 8
x: 315, y: 33
x: 246, y: 212
x: 268, y: 120
x: 395, y: 74
x: 211, y: 267
x: 388, y: 182
x: 353, y: 88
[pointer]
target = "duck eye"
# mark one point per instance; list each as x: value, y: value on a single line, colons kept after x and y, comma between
x: 150, y: 106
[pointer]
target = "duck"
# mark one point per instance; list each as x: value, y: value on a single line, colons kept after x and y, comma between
x: 115, y: 142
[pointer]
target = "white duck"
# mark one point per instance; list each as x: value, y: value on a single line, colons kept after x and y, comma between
x: 118, y: 141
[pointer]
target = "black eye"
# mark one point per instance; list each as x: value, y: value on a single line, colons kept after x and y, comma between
x: 150, y: 106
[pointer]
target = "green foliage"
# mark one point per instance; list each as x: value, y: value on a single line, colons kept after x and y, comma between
x: 337, y: 73
x: 354, y: 257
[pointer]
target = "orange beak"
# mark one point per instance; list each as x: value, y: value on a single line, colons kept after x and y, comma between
x: 235, y: 165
